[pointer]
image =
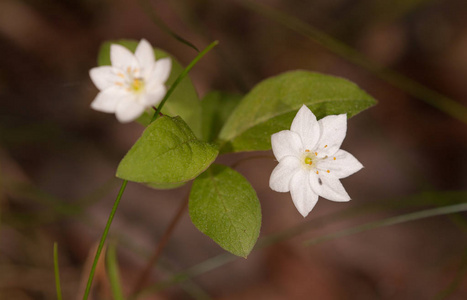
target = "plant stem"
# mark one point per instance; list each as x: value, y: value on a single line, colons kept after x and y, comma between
x: 104, y: 236
x: 124, y: 183
x: 143, y: 277
x: 182, y: 76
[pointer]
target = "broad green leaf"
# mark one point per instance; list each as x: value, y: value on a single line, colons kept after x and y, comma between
x: 216, y: 108
x: 168, y: 152
x: 271, y: 106
x: 224, y: 206
x: 183, y: 102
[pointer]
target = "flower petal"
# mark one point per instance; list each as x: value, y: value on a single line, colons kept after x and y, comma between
x: 344, y: 165
x: 333, y: 131
x: 302, y: 195
x: 145, y: 56
x: 285, y: 143
x: 104, y: 77
x: 154, y: 94
x: 122, y: 58
x: 307, y: 127
x: 128, y: 110
x: 328, y: 187
x: 161, y: 70
x: 108, y: 99
x: 283, y: 172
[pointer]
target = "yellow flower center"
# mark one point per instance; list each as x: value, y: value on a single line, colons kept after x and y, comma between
x: 311, y: 161
x: 309, y: 158
x: 137, y: 85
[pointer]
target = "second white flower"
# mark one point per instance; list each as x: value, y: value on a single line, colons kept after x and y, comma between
x: 310, y: 161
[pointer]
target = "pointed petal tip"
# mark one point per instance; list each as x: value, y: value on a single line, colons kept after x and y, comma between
x: 116, y: 47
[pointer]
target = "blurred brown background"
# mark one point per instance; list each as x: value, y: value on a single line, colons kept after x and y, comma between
x: 58, y: 157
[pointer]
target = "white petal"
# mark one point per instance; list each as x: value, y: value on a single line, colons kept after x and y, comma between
x: 333, y: 131
x: 108, y: 99
x: 307, y: 127
x: 122, y: 58
x: 145, y: 56
x: 161, y: 70
x: 128, y: 110
x: 344, y: 165
x: 283, y: 172
x: 328, y: 187
x: 104, y: 77
x: 154, y: 95
x: 302, y: 195
x: 285, y: 143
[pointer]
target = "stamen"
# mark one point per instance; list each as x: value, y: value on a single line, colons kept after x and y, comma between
x: 317, y: 172
x: 120, y: 75
x: 325, y: 146
x: 128, y: 69
x: 328, y: 171
x: 307, y: 150
x: 119, y: 83
x: 334, y: 158
x: 316, y: 153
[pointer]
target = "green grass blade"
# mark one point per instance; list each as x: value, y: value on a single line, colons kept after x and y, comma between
x: 446, y: 198
x: 103, y: 238
x: 149, y: 10
x: 390, y: 221
x: 437, y: 100
x: 57, y: 273
x: 113, y: 272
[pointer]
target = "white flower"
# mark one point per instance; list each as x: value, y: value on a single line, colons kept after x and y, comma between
x: 310, y: 161
x: 132, y: 84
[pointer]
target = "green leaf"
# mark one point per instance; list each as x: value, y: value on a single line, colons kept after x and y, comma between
x: 216, y: 108
x: 165, y: 186
x: 183, y: 102
x: 168, y: 152
x: 271, y: 106
x: 224, y: 206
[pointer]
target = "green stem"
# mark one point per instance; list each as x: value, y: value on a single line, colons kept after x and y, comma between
x: 182, y: 76
x: 104, y: 236
x: 57, y: 273
x: 124, y: 183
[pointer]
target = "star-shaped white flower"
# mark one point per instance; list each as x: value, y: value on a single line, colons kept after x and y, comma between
x: 310, y: 161
x: 132, y: 84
